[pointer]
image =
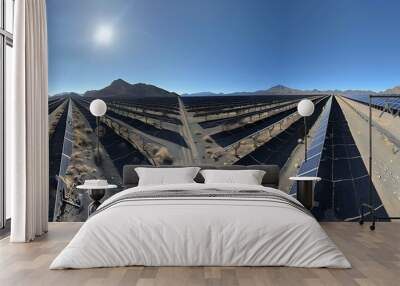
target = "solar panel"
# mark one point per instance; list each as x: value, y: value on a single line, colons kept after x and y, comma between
x: 65, y: 159
x: 386, y: 101
x: 278, y: 149
x: 337, y: 160
x: 67, y: 144
x: 226, y: 138
x: 310, y: 167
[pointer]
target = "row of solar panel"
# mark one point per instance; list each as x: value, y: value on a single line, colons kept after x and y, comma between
x: 68, y: 142
x: 314, y: 153
x: 388, y: 101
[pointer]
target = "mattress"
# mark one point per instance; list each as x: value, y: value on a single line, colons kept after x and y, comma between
x: 201, y: 225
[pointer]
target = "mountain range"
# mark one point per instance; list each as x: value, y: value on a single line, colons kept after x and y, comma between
x: 394, y: 90
x: 284, y: 90
x: 277, y: 89
x: 121, y: 88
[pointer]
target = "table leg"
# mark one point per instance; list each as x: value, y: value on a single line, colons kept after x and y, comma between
x: 305, y: 193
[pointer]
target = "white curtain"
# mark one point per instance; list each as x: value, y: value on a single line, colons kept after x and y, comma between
x: 27, y: 124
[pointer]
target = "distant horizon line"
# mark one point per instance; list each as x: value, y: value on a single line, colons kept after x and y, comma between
x: 235, y: 92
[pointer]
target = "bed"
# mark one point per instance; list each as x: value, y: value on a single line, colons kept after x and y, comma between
x: 199, y: 224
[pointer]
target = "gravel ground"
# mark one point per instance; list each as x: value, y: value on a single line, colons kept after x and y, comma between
x: 386, y: 158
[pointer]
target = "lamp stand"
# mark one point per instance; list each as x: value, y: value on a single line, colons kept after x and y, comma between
x: 97, y: 157
x: 305, y: 138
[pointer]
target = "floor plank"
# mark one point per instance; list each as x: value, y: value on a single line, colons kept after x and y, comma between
x: 375, y: 257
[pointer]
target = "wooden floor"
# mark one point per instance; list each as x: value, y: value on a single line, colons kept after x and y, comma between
x: 375, y: 257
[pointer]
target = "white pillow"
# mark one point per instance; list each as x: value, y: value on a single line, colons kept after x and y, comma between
x: 243, y: 177
x: 166, y: 176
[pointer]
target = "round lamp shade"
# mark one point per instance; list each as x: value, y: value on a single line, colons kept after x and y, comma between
x: 305, y: 107
x: 98, y: 107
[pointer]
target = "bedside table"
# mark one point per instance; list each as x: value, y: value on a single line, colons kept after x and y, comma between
x: 96, y: 194
x: 305, y: 190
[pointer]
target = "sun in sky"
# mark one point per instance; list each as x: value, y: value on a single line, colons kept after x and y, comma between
x: 104, y: 35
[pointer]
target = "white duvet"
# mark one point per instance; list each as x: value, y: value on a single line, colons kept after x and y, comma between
x: 200, y: 231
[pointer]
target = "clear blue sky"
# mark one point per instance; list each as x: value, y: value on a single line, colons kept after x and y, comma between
x: 224, y: 45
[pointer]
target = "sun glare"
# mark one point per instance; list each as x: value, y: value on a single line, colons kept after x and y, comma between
x: 103, y: 35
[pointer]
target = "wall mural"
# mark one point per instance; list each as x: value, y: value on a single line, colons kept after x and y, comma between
x: 156, y: 125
